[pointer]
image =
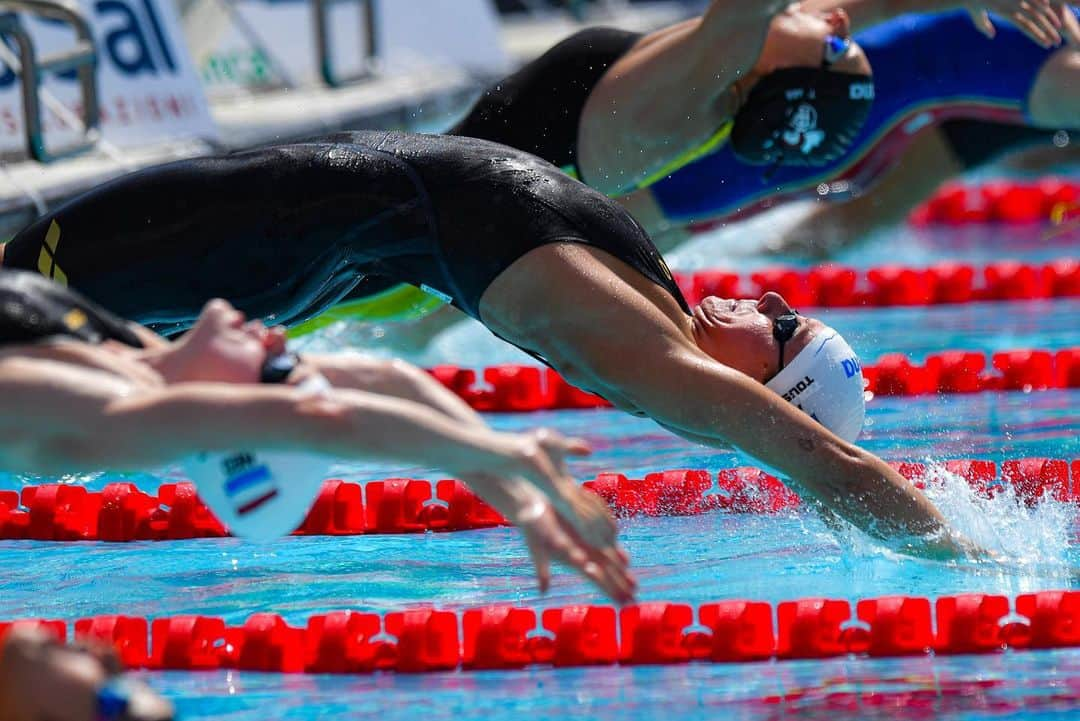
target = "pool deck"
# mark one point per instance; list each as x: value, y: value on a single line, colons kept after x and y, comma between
x: 422, y: 99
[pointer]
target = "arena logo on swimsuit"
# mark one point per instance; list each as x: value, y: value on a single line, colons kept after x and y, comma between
x: 130, y: 36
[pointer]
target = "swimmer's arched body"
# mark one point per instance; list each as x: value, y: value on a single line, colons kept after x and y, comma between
x: 544, y: 262
x: 82, y: 389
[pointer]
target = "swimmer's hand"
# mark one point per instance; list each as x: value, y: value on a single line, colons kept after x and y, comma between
x: 1040, y: 20
x: 951, y: 546
x: 540, y: 456
x: 549, y: 536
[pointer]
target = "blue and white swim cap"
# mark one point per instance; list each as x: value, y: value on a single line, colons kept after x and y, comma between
x: 825, y: 380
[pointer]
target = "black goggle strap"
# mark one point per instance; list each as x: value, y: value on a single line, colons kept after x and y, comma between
x: 784, y: 328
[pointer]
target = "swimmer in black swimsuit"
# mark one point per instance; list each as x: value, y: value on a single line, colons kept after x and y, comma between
x: 546, y: 263
x: 83, y: 390
x: 664, y: 114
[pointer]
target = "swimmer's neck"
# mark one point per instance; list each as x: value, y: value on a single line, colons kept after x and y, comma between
x: 2, y: 246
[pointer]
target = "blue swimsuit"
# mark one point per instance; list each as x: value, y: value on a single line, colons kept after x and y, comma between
x: 927, y: 68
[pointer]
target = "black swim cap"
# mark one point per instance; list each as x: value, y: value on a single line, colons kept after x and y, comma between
x: 33, y: 308
x: 801, y: 116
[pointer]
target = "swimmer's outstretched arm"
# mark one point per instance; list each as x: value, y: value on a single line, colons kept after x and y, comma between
x: 403, y: 380
x: 706, y: 402
x: 390, y: 377
x: 669, y: 94
x: 57, y: 417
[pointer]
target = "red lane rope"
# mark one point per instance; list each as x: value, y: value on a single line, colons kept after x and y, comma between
x: 523, y: 388
x: 507, y: 637
x: 1049, y: 200
x: 838, y: 286
x: 121, y: 512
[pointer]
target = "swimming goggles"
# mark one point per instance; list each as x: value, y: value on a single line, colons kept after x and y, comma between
x: 112, y: 700
x: 783, y: 329
x: 277, y: 369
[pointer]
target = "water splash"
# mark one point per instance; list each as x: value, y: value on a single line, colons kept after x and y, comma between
x: 1031, y: 542
x: 1035, y: 535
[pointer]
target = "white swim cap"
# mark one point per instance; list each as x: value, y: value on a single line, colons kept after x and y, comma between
x: 825, y: 380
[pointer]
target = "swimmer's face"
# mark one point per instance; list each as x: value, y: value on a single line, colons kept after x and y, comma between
x: 797, y: 39
x: 224, y: 347
x: 739, y: 333
x: 43, y: 679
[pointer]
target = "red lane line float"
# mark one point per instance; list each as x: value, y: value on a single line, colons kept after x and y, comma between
x: 121, y: 512
x: 838, y: 286
x: 522, y: 388
x: 1049, y: 200
x: 510, y: 637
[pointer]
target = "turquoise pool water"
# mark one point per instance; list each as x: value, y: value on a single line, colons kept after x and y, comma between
x: 697, y: 559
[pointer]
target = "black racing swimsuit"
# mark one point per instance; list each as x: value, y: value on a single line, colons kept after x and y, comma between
x: 33, y: 308
x: 538, y: 108
x: 285, y: 232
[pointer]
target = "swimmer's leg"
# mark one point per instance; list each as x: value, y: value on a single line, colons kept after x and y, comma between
x: 1054, y: 101
x: 584, y: 511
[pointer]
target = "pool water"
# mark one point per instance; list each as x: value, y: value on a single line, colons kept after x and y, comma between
x: 695, y: 560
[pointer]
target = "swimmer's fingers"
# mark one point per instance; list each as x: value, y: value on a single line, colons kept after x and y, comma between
x: 1069, y: 23
x: 1031, y: 28
x: 583, y: 510
x: 549, y: 536
x: 559, y: 446
x: 1034, y: 18
x: 1042, y: 15
x: 541, y: 561
x: 982, y: 22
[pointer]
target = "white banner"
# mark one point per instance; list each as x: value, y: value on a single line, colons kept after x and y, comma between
x: 259, y: 43
x: 148, y: 90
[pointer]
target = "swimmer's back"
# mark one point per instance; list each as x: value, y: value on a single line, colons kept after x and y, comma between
x: 285, y: 232
x: 492, y: 204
